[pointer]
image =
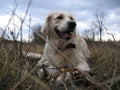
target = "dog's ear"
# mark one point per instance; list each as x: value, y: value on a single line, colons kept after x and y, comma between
x: 46, y: 26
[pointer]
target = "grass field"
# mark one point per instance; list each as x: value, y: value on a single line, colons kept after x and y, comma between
x: 20, y: 73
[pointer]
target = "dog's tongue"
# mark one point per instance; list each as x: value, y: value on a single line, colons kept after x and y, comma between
x: 67, y: 36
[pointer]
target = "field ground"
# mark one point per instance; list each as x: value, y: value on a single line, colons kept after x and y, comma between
x: 20, y: 73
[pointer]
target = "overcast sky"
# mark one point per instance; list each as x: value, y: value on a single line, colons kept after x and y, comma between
x: 82, y: 10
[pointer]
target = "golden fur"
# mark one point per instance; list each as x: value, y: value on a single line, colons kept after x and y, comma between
x: 55, y: 52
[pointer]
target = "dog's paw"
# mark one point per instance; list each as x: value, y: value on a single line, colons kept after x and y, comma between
x: 42, y: 63
x: 43, y: 74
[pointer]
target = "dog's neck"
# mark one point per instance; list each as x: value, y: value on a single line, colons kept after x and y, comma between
x: 70, y: 45
x: 62, y: 44
x: 66, y: 44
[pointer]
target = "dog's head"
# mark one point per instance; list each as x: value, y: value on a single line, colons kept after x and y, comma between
x: 61, y: 25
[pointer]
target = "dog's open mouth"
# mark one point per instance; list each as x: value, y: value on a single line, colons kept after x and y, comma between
x: 64, y: 35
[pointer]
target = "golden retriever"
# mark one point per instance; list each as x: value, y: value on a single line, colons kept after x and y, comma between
x: 64, y: 48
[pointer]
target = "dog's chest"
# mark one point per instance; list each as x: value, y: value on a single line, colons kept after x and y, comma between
x: 67, y: 55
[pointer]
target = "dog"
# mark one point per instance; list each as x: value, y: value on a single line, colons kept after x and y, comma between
x: 64, y: 48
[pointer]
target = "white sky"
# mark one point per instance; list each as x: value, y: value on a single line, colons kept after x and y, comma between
x: 83, y: 10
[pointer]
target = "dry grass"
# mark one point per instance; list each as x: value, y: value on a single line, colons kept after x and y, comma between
x: 21, y: 73
x: 104, y: 61
x: 18, y: 73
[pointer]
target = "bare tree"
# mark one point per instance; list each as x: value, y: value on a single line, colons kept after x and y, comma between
x: 91, y: 32
x: 99, y: 23
x: 29, y: 34
x: 36, y: 38
x: 86, y: 34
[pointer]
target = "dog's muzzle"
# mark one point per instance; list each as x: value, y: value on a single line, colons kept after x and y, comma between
x: 68, y: 34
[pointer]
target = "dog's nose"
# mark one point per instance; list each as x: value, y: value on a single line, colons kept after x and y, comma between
x: 71, y: 24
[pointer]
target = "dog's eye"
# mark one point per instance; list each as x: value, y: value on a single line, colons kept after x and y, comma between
x: 71, y: 18
x: 60, y: 17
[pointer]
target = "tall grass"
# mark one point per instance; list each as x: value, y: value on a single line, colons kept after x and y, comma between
x: 16, y: 74
x: 21, y: 74
x: 104, y: 61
